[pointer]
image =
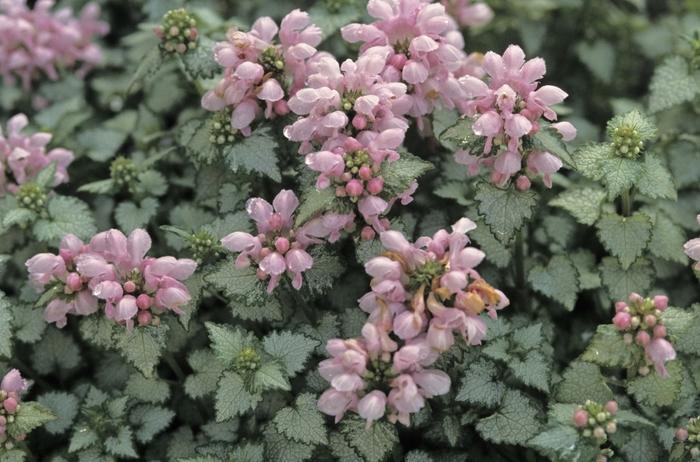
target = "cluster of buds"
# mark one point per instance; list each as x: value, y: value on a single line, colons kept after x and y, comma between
x: 692, y: 249
x: 113, y: 269
x: 220, y: 130
x: 203, y: 245
x: 640, y: 321
x: 628, y: 133
x: 507, y: 111
x: 124, y: 173
x: 421, y: 294
x: 11, y: 388
x: 595, y: 420
x: 280, y: 247
x: 689, y: 436
x: 32, y: 196
x: 23, y: 157
x: 178, y: 32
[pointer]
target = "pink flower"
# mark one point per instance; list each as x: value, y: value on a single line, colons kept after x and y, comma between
x: 659, y: 351
x: 468, y: 13
x: 692, y: 249
x: 372, y: 406
x: 24, y: 156
x: 13, y: 382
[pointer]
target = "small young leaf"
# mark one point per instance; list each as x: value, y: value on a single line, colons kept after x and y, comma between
x: 621, y: 282
x: 303, y: 422
x: 291, y: 349
x: 479, y: 387
x: 514, y: 423
x: 584, y: 204
x: 399, y: 175
x: 142, y: 346
x: 672, y: 84
x: 255, y: 153
x: 625, y: 237
x: 29, y: 416
x: 66, y: 215
x: 232, y: 398
x: 558, y: 280
x: 504, y: 210
x: 64, y: 406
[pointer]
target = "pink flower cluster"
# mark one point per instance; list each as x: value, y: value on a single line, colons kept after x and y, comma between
x: 692, y: 249
x: 425, y: 51
x: 113, y: 269
x: 260, y: 75
x: 640, y: 321
x: 422, y: 293
x: 34, y: 40
x: 506, y: 111
x: 280, y: 247
x: 468, y: 13
x: 22, y: 156
x: 11, y: 388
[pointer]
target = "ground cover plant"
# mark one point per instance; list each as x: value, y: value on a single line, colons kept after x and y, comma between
x: 347, y: 230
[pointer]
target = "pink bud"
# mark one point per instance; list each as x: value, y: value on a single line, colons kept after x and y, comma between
x: 681, y: 434
x: 523, y: 183
x: 365, y: 173
x: 174, y: 30
x: 650, y: 320
x: 354, y: 188
x: 661, y: 302
x: 622, y: 320
x: 359, y: 122
x: 398, y: 61
x: 281, y: 107
x: 65, y: 254
x: 636, y: 298
x: 340, y: 191
x: 643, y: 338
x: 265, y: 251
x: 181, y: 48
x: 129, y: 287
x: 367, y: 233
x: 386, y: 224
x: 620, y: 306
x: 158, y: 30
x: 10, y: 405
x: 262, y: 275
x: 282, y: 245
x: 73, y: 282
x: 144, y: 302
x: 347, y: 176
x: 351, y: 145
x: 144, y: 318
x: 659, y: 331
x: 275, y: 221
x: 580, y: 418
x: 193, y: 33
x: 611, y: 406
x: 375, y: 185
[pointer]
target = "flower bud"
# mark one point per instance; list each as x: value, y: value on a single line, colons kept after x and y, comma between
x: 642, y: 338
x: 3, y: 421
x: 622, y: 320
x: 523, y: 183
x: 599, y: 433
x: 601, y: 458
x: 681, y: 434
x: 661, y: 302
x: 265, y: 251
x: 611, y: 427
x: 10, y: 405
x: 275, y: 221
x: 367, y: 233
x: 359, y: 122
x: 144, y: 301
x: 281, y: 107
x: 659, y: 331
x: 644, y: 371
x: 262, y: 275
x: 601, y: 417
x: 695, y: 453
x: 398, y: 60
x: 282, y: 245
x: 375, y: 185
x: 635, y: 322
x: 365, y: 173
x: 354, y: 188
x: 73, y: 281
x: 129, y: 287
x: 620, y: 306
x: 650, y: 320
x: 144, y: 318
x: 580, y: 418
x: 611, y: 407
x: 636, y: 298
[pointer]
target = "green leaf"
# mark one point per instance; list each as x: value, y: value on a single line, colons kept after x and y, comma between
x: 5, y: 327
x: 148, y: 390
x: 29, y: 416
x: 303, y: 422
x: 620, y: 174
x: 683, y: 327
x: 292, y: 350
x: 199, y: 63
x: 57, y: 351
x: 374, y: 443
x: 563, y: 442
x: 582, y: 381
x: 227, y: 343
x: 279, y: 448
x: 28, y: 323
x: 656, y: 181
x: 207, y: 370
x: 620, y: 282
x: 608, y: 349
x: 64, y: 406
x: 590, y: 159
x: 496, y: 252
x: 19, y: 216
x: 586, y: 266
x: 101, y: 144
x: 152, y: 183
x: 255, y: 153
x: 558, y: 280
x: 122, y: 444
x: 238, y: 283
x: 271, y: 377
x: 98, y: 330
x: 97, y: 187
x: 16, y: 455
x: 672, y: 84
x: 314, y: 202
x: 129, y: 216
x: 655, y: 390
x: 625, y: 237
x: 480, y: 385
x: 149, y: 65
x: 533, y: 371
x: 399, y: 175
x: 82, y: 438
x: 548, y: 139
x: 504, y: 210
x: 149, y: 420
x: 643, y: 446
x: 46, y: 176
x: 327, y: 268
x: 599, y: 58
x: 514, y: 423
x: 143, y: 346
x: 66, y: 215
x: 232, y: 398
x: 667, y: 239
x: 584, y: 204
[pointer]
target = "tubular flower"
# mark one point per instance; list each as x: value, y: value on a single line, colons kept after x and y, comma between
x: 640, y: 321
x: 506, y: 111
x: 11, y: 389
x: 23, y: 156
x: 279, y: 247
x: 114, y: 269
x: 349, y: 98
x: 37, y: 40
x: 426, y: 50
x: 421, y: 294
x: 692, y: 249
x: 259, y: 74
x: 354, y: 166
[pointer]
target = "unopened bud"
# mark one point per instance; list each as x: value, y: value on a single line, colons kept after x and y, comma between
x: 635, y: 321
x: 659, y: 331
x: 73, y: 281
x: 367, y: 233
x: 144, y: 318
x: 375, y: 185
x: 365, y: 173
x: 644, y: 371
x: 398, y: 61
x: 611, y: 427
x: 282, y: 245
x: 661, y: 302
x: 611, y: 407
x: 354, y: 188
x: 10, y: 405
x: 622, y: 320
x: 642, y: 338
x: 628, y: 339
x: 580, y: 418
x: 650, y: 320
x: 523, y: 183
x: 681, y: 434
x: 262, y: 275
x: 281, y: 107
x: 599, y: 433
x: 359, y: 122
x: 601, y: 417
x: 620, y: 306
x: 144, y: 301
x: 129, y: 287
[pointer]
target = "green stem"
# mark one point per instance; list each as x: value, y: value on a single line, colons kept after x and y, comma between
x: 170, y: 359
x: 626, y: 203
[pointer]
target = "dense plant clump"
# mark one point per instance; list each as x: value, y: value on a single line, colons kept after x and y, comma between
x: 345, y: 230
